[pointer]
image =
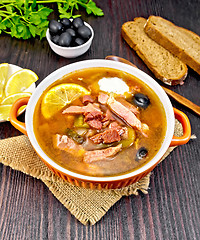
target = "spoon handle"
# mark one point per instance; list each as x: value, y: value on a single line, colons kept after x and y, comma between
x: 180, y: 99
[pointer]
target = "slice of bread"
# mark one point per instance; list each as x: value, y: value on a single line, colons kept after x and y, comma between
x: 161, y: 62
x: 179, y: 41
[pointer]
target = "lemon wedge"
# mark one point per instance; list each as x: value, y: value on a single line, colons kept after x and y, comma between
x: 3, y: 77
x: 20, y: 81
x: 60, y: 96
x: 5, y: 112
x: 13, y: 97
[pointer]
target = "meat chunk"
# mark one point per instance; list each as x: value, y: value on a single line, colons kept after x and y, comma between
x: 128, y: 105
x: 108, y: 116
x: 63, y: 142
x: 95, y: 123
x: 93, y: 115
x: 103, y: 154
x: 108, y: 136
x: 74, y: 110
x: 124, y: 113
x: 87, y: 99
x: 81, y: 109
x: 123, y: 131
x: 103, y: 98
x: 117, y: 127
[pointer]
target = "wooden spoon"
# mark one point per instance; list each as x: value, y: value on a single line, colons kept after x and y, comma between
x: 184, y: 101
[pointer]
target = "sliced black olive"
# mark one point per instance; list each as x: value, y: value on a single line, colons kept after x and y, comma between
x: 78, y: 42
x: 141, y: 100
x: 141, y: 153
x: 84, y: 32
x: 71, y: 32
x: 65, y: 39
x: 66, y: 22
x: 77, y: 22
x: 74, y: 135
x: 55, y: 27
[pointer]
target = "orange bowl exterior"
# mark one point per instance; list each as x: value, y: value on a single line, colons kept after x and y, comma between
x: 99, y: 185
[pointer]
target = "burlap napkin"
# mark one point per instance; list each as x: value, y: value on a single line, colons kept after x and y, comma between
x: 88, y: 206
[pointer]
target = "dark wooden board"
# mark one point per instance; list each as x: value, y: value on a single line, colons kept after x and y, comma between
x: 28, y: 210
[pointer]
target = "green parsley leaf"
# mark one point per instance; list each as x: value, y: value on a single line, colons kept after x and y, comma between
x: 27, y: 18
x: 92, y: 8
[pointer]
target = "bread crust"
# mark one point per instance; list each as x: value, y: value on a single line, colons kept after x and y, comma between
x: 170, y: 45
x: 130, y: 40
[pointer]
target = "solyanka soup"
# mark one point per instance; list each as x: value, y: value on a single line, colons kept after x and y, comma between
x: 99, y: 122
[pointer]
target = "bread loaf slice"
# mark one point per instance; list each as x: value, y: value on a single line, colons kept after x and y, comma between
x: 161, y: 62
x: 179, y: 41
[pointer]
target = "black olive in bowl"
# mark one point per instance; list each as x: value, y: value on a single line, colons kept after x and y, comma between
x: 77, y: 22
x: 65, y: 22
x: 55, y: 39
x: 71, y: 32
x: 65, y: 39
x: 72, y: 40
x: 55, y: 27
x: 84, y: 32
x: 78, y: 42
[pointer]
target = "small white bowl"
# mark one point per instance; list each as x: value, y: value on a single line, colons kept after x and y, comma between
x: 70, y: 52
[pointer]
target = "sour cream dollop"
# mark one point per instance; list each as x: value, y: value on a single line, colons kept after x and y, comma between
x: 113, y: 85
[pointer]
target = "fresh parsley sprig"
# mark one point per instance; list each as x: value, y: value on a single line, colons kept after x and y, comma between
x: 67, y: 8
x: 24, y: 19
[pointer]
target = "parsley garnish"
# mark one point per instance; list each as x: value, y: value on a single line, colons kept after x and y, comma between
x: 25, y: 19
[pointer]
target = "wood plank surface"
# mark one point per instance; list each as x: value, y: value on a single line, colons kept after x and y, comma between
x: 171, y: 210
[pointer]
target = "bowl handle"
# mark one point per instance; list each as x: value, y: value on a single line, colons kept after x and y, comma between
x: 13, y: 114
x: 183, y: 119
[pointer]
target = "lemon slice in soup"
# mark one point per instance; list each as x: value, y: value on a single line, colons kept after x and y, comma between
x: 60, y: 96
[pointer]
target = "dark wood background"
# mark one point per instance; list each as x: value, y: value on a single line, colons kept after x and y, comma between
x: 171, y: 210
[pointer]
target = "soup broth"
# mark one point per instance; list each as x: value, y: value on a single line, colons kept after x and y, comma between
x: 95, y: 134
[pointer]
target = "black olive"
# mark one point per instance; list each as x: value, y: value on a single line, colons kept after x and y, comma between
x: 78, y: 41
x: 141, y: 153
x: 141, y: 100
x: 55, y: 39
x: 55, y: 27
x: 65, y: 39
x: 71, y: 32
x: 77, y: 22
x: 66, y: 22
x: 84, y: 32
